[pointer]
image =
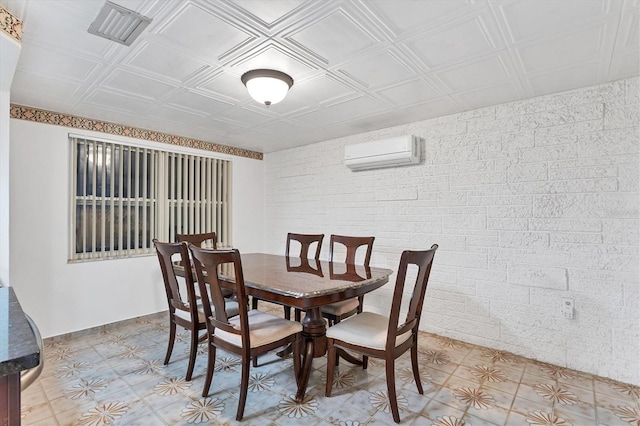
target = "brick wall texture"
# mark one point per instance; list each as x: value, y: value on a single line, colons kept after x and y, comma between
x: 530, y: 202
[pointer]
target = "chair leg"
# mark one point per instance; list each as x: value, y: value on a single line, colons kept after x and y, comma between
x: 192, y: 354
x: 365, y: 362
x: 331, y: 366
x: 211, y: 365
x: 414, y: 365
x: 172, y: 338
x: 298, y: 315
x: 244, y: 386
x: 287, y: 312
x: 254, y: 303
x: 391, y: 389
x: 255, y: 361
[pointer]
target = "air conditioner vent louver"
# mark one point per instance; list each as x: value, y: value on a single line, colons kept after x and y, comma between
x: 392, y: 152
x: 119, y: 24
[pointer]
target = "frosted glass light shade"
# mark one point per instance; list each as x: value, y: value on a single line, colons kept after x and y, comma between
x: 267, y: 86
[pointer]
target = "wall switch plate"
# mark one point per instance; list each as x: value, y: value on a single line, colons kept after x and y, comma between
x: 567, y: 308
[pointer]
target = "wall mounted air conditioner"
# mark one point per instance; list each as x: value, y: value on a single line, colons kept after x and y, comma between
x: 392, y: 152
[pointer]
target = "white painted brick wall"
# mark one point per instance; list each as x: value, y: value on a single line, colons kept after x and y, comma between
x: 530, y: 202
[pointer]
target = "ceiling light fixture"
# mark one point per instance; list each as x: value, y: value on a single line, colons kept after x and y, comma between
x: 267, y: 86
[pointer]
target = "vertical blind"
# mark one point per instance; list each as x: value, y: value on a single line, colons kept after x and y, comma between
x: 125, y: 196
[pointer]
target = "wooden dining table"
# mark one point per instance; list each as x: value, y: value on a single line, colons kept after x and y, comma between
x: 307, y: 284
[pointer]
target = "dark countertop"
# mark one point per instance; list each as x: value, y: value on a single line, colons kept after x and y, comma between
x: 18, y: 347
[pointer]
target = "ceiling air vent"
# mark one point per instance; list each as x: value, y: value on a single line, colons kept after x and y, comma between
x: 118, y: 24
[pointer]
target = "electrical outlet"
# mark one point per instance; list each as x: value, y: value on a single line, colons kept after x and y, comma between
x: 567, y: 308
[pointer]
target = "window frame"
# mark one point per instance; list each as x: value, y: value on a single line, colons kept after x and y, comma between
x: 163, y: 225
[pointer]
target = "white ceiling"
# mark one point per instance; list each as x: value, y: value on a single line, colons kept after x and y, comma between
x: 357, y: 65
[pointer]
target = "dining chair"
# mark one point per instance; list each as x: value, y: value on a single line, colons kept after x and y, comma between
x: 336, y: 312
x: 379, y: 336
x: 183, y: 311
x: 305, y: 241
x: 209, y: 238
x: 249, y: 334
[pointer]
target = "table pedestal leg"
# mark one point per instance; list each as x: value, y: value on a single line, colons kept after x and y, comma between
x: 314, y: 335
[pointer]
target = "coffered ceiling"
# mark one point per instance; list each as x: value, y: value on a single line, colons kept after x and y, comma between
x: 357, y: 65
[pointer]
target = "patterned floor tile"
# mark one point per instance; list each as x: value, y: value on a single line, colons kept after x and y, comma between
x: 115, y: 375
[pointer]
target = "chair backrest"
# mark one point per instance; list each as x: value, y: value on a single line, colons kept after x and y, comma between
x: 423, y: 260
x: 352, y: 244
x: 207, y: 262
x: 305, y: 240
x: 168, y: 253
x: 198, y: 239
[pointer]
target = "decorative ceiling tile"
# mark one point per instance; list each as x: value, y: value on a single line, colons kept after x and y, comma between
x: 564, y: 79
x: 578, y: 47
x: 246, y: 116
x: 410, y: 92
x: 357, y: 65
x: 319, y: 89
x: 457, y: 42
x: 378, y: 70
x: 118, y: 102
x: 334, y: 37
x: 50, y: 16
x: 31, y: 88
x: 271, y: 56
x: 143, y: 86
x: 406, y: 15
x: 195, y: 30
x: 264, y: 142
x: 625, y: 65
x: 197, y: 102
x: 495, y: 95
x: 485, y: 72
x: 398, y: 116
x: 625, y: 61
x: 269, y: 12
x: 226, y: 84
x: 55, y: 64
x: 221, y: 127
x: 526, y: 20
x: 165, y: 62
x: 280, y: 127
x: 345, y: 110
x: 178, y: 115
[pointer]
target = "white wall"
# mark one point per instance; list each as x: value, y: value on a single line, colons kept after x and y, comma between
x: 63, y: 297
x: 530, y: 202
x: 9, y: 52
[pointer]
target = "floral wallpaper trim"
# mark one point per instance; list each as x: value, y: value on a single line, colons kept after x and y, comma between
x: 49, y: 117
x: 10, y: 25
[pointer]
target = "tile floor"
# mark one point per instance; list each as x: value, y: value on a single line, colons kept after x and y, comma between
x: 114, y: 375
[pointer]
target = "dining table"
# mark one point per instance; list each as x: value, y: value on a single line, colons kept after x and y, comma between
x: 306, y: 284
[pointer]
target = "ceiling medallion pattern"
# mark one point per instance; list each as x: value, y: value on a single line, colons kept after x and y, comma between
x: 10, y: 25
x: 49, y: 117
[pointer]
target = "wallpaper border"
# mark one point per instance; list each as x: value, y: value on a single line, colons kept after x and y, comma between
x: 10, y: 25
x: 49, y: 117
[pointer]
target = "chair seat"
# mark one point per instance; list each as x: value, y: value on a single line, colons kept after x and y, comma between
x: 367, y: 329
x: 341, y: 308
x: 264, y: 328
x: 231, y: 306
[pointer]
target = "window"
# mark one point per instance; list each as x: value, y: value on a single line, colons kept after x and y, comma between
x: 124, y: 196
